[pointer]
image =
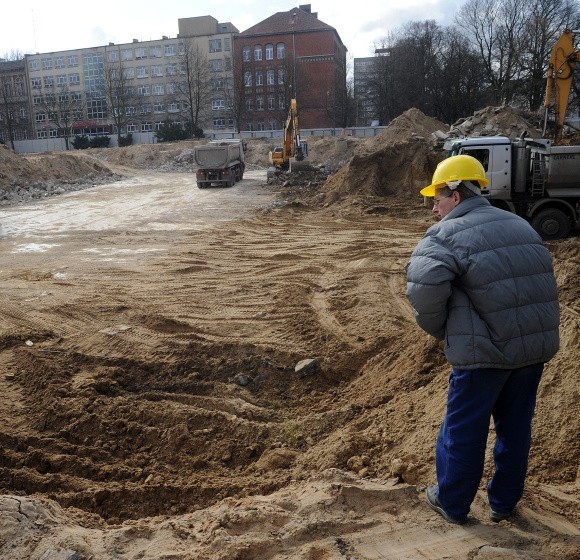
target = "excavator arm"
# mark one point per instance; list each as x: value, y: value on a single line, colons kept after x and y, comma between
x: 561, y: 67
x: 291, y: 145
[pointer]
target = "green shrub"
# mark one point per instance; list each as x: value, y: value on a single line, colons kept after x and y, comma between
x: 170, y: 131
x: 126, y: 140
x: 80, y: 142
x: 99, y: 141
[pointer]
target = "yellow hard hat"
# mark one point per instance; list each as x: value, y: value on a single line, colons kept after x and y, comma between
x: 456, y: 169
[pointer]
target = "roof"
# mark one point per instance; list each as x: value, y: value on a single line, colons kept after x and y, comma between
x: 296, y: 19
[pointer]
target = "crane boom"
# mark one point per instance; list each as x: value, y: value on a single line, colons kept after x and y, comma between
x: 561, y: 67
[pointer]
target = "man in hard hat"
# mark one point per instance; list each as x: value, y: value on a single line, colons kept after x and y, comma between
x: 482, y: 281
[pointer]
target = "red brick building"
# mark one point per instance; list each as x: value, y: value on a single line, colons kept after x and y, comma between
x: 290, y: 55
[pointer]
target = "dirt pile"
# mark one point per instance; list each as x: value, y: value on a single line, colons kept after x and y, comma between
x: 25, y: 178
x: 391, y: 166
x: 496, y: 121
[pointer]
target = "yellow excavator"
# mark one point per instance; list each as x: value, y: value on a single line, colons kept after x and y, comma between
x: 561, y: 68
x: 291, y: 147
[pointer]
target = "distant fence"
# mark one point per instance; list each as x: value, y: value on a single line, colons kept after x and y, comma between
x: 58, y: 144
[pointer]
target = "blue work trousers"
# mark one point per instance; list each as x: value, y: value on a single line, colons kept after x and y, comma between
x: 509, y: 396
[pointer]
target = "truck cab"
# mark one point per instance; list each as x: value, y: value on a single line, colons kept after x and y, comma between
x: 529, y: 177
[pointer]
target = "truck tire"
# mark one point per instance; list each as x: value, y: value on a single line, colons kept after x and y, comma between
x: 551, y: 224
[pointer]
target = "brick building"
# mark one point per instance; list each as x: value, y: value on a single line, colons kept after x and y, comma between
x: 290, y: 55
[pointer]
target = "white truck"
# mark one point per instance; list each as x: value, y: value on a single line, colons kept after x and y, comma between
x: 220, y: 163
x: 531, y: 178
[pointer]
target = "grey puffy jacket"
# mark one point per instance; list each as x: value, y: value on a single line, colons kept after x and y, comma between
x: 482, y: 280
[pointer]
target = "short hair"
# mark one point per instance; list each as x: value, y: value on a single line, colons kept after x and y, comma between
x: 462, y: 189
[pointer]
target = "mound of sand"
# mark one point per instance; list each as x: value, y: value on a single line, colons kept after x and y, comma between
x: 395, y: 163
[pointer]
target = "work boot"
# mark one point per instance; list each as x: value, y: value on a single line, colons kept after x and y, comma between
x: 433, y: 501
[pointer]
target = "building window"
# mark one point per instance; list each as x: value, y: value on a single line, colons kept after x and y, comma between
x: 132, y: 127
x: 248, y: 79
x: 218, y: 104
x: 96, y: 108
x: 40, y: 117
x: 113, y: 56
x: 272, y: 124
x: 270, y: 52
x: 34, y: 64
x: 59, y: 62
x: 48, y: 81
x: 215, y: 45
x: 41, y: 134
x: 218, y: 84
x: 53, y: 133
x: 173, y: 107
x: 246, y: 54
x: 280, y: 51
x: 270, y: 77
x: 47, y: 63
x: 271, y: 102
x: 228, y: 63
x: 216, y: 65
x: 140, y: 52
x: 260, y: 103
x: 143, y: 90
x: 158, y: 108
x: 227, y: 44
x: 281, y: 102
x: 145, y: 109
x: 219, y: 123
x: 61, y: 80
x: 142, y: 72
x: 155, y: 52
x: 158, y: 89
x: 259, y: 78
x: 170, y: 50
x: 260, y: 126
x: 249, y: 104
x: 157, y: 71
x: 258, y: 52
x: 146, y: 127
x: 281, y: 76
x: 127, y: 54
x: 171, y: 70
x: 35, y: 83
x: 129, y: 73
x: 74, y: 79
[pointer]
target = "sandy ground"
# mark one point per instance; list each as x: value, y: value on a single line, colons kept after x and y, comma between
x: 151, y: 405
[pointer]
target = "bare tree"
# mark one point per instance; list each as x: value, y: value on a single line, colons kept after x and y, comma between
x: 195, y: 86
x: 120, y: 97
x: 63, y: 108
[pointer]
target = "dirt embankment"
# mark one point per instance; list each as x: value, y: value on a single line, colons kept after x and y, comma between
x: 153, y: 408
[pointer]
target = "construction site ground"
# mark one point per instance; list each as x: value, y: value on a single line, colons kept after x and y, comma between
x: 226, y: 374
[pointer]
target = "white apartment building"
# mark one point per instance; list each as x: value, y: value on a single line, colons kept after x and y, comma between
x: 153, y: 71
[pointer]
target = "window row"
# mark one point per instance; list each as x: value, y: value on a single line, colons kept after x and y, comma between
x: 273, y: 102
x: 270, y: 77
x: 259, y: 125
x: 268, y: 51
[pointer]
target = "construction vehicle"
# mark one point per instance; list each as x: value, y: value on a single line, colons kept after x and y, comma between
x: 563, y: 59
x: 281, y: 156
x: 220, y: 163
x: 537, y: 179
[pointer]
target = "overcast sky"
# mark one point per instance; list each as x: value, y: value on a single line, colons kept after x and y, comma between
x: 30, y: 26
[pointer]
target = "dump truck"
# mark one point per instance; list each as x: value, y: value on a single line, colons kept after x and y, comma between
x: 529, y: 177
x: 538, y: 179
x: 220, y: 163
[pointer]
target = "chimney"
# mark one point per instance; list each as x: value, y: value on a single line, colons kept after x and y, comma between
x: 135, y: 40
x: 305, y: 8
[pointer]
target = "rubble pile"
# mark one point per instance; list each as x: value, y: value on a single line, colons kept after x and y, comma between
x: 495, y: 121
x: 28, y: 177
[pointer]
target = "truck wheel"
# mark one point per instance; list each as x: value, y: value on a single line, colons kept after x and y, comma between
x: 551, y: 224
